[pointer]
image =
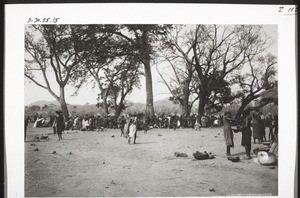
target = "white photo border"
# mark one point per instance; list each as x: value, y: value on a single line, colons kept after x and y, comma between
x: 16, y: 16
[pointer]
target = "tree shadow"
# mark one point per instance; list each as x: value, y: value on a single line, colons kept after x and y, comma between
x: 31, y: 141
x: 240, y: 153
x: 145, y: 142
x: 69, y: 139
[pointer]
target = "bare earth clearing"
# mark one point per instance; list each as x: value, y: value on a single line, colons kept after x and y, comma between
x: 95, y: 164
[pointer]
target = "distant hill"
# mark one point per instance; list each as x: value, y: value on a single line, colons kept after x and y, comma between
x: 164, y: 101
x: 159, y: 103
x: 43, y: 102
x: 135, y: 107
x: 163, y: 106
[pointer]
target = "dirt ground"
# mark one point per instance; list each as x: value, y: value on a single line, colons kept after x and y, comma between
x: 95, y: 164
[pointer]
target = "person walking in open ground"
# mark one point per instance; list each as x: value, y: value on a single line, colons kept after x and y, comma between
x: 60, y: 124
x: 132, y: 130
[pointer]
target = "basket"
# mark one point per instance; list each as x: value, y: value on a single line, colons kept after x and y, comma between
x: 235, y: 159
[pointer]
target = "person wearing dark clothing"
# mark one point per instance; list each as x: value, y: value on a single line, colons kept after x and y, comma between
x: 26, y: 124
x: 146, y: 124
x: 98, y: 123
x: 263, y: 127
x: 175, y: 121
x: 268, y: 125
x: 275, y: 127
x: 246, y: 133
x: 91, y: 123
x: 54, y: 125
x: 60, y: 124
x: 122, y: 123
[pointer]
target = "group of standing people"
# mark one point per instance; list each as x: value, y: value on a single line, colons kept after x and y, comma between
x: 255, y: 123
x: 261, y: 124
x: 128, y: 126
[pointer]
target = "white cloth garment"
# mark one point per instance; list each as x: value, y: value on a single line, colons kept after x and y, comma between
x: 132, y: 130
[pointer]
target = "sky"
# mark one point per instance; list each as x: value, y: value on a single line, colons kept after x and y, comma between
x: 87, y: 94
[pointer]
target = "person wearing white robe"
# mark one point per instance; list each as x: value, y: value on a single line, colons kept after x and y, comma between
x: 132, y: 131
x: 85, y: 124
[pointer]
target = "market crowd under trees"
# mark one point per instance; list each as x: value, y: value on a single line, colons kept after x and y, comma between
x: 209, y: 64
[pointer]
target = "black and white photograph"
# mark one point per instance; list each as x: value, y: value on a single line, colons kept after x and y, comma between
x: 116, y: 107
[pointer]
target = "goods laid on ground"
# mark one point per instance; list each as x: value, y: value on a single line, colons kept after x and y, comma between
x: 177, y: 154
x: 265, y: 158
x: 38, y: 138
x: 202, y: 156
x: 234, y: 158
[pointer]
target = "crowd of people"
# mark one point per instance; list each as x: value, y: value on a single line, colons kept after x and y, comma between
x: 98, y: 122
x: 252, y: 125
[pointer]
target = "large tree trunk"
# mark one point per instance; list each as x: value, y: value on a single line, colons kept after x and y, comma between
x: 62, y: 102
x: 105, y: 105
x: 202, y: 101
x: 201, y: 106
x: 119, y: 110
x: 185, y: 108
x: 149, y: 91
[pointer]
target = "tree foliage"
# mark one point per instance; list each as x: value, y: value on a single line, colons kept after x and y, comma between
x: 259, y: 74
x: 211, y: 64
x: 107, y: 61
x: 145, y: 40
x: 177, y: 63
x: 52, y: 50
